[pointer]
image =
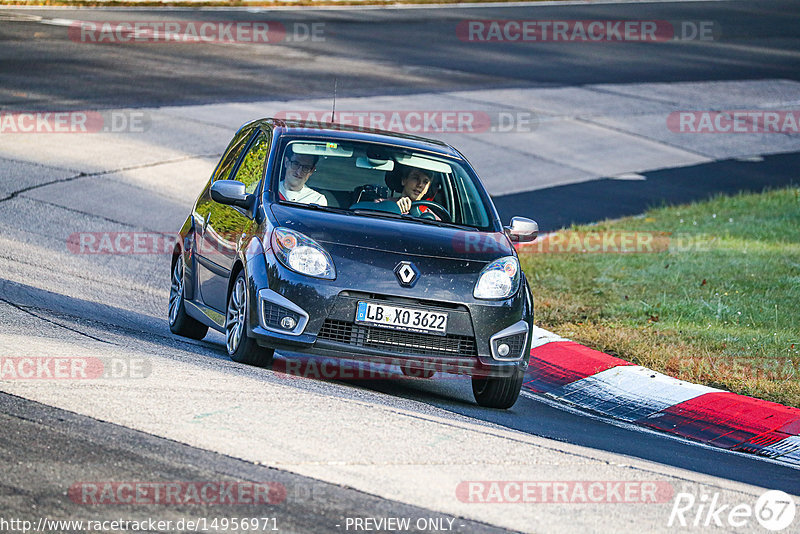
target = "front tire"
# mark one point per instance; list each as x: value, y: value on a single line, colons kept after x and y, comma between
x: 179, y: 321
x: 498, y: 391
x: 241, y: 347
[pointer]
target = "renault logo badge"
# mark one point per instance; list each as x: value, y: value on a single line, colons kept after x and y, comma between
x: 406, y: 273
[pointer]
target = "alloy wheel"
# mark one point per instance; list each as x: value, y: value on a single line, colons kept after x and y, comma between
x: 234, y: 325
x: 176, y: 290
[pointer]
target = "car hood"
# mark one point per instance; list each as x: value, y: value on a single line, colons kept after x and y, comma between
x: 392, y: 235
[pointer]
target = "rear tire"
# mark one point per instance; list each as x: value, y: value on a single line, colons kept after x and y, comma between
x: 179, y: 321
x: 241, y: 347
x: 498, y: 392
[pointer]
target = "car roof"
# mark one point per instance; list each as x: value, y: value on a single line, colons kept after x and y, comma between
x: 357, y: 133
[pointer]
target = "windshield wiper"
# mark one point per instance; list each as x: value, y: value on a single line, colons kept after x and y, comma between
x: 378, y: 213
x: 443, y: 224
x: 316, y: 206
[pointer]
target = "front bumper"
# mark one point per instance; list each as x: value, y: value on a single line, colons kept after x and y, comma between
x: 323, y: 324
x: 339, y: 336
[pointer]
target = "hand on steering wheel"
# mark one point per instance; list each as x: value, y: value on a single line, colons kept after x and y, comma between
x: 404, y: 203
x: 438, y: 210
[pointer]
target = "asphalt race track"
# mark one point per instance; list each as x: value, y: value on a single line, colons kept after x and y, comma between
x: 179, y: 411
x: 380, y: 52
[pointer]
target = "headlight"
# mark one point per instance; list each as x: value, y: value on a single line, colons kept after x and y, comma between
x: 498, y: 280
x: 302, y: 254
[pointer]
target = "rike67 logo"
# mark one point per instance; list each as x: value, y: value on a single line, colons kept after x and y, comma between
x: 774, y: 510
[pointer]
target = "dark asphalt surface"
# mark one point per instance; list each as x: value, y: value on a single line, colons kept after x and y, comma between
x: 596, y: 200
x: 370, y: 52
x: 388, y: 51
x: 529, y: 415
x: 65, y: 453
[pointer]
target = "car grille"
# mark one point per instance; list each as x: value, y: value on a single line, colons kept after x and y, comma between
x: 396, y: 341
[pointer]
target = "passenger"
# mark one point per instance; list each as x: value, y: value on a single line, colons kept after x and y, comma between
x: 297, y: 169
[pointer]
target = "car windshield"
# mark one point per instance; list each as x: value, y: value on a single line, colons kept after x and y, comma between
x: 380, y: 180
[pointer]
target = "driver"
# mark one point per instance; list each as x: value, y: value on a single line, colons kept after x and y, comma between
x: 415, y: 184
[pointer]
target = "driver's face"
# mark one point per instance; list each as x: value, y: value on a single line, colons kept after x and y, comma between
x: 416, y: 184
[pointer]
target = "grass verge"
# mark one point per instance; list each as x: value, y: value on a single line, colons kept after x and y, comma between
x: 706, y: 292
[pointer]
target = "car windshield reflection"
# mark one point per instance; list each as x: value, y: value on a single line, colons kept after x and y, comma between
x: 379, y: 180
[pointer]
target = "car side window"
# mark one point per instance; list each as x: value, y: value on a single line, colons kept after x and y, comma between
x: 231, y: 156
x: 473, y: 212
x: 251, y: 169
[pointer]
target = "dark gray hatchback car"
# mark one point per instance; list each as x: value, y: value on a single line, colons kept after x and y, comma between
x: 365, y: 245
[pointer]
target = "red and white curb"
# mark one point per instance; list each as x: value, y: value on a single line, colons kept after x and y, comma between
x: 570, y: 372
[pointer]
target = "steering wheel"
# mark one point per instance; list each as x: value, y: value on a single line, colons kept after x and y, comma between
x: 440, y: 212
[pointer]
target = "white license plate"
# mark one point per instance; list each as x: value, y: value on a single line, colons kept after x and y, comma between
x: 400, y: 318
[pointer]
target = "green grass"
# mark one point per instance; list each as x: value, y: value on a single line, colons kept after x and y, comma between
x: 718, y: 306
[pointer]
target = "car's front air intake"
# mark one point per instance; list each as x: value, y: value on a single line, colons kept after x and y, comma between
x: 396, y: 341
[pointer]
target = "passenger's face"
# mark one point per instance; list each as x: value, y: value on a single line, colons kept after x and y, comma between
x: 416, y: 184
x: 298, y: 170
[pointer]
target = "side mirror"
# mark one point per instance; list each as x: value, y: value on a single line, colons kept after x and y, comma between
x: 522, y: 230
x: 231, y: 192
